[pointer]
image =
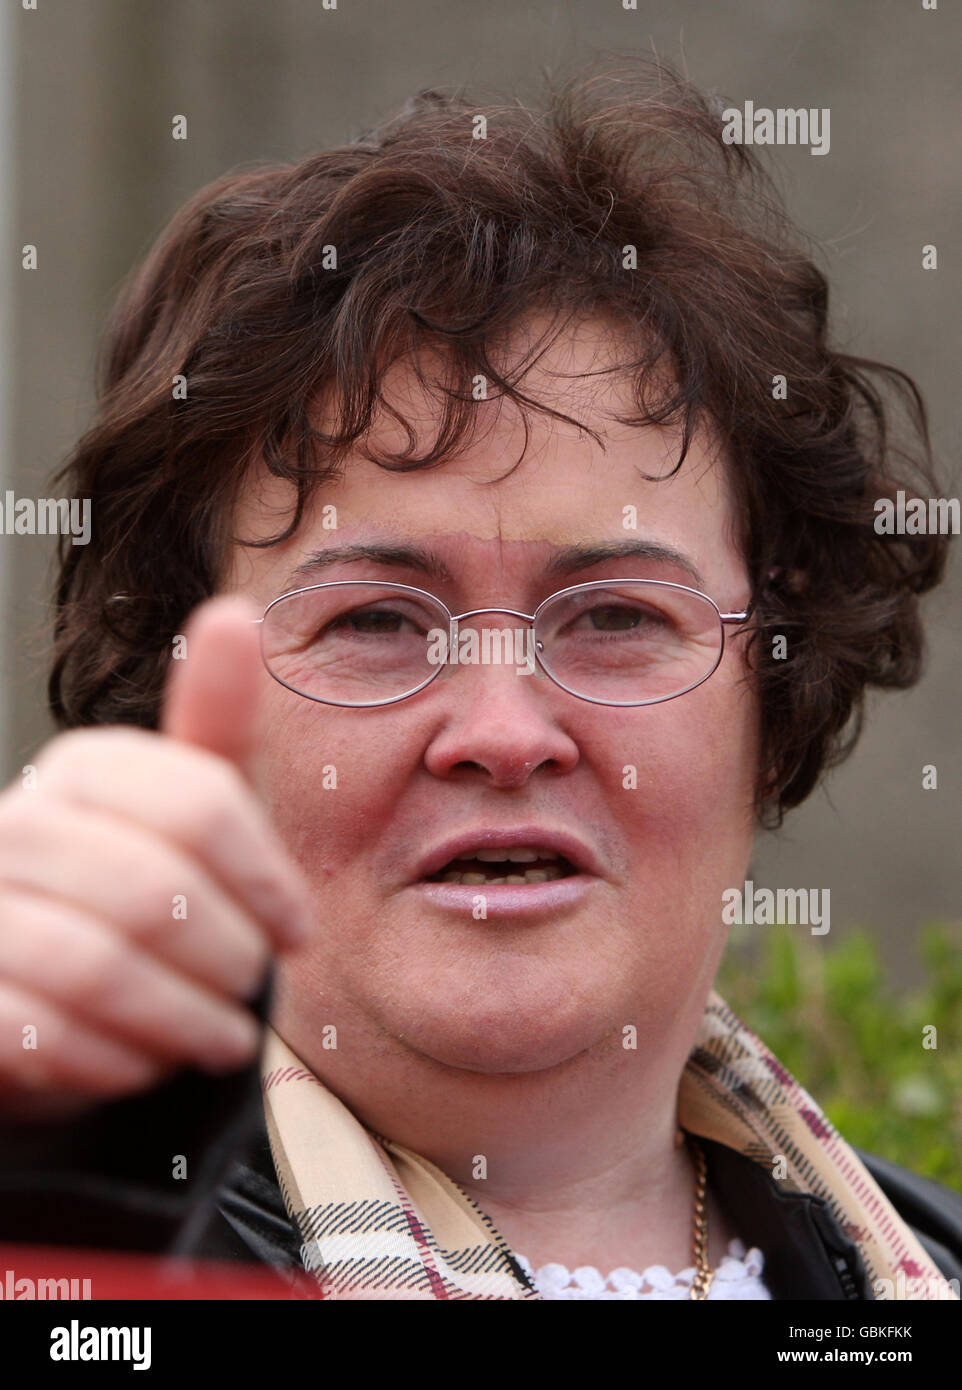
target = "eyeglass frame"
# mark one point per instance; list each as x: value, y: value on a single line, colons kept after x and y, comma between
x: 529, y: 618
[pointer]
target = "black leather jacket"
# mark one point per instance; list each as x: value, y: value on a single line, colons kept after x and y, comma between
x: 106, y: 1182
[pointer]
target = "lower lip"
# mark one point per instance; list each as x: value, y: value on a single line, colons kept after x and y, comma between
x: 508, y: 899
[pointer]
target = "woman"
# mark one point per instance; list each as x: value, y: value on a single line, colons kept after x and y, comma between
x: 548, y: 395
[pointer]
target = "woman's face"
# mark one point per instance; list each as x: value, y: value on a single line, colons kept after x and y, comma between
x: 561, y: 967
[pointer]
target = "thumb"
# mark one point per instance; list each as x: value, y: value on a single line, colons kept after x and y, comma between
x: 211, y: 696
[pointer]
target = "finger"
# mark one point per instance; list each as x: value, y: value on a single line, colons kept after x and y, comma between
x: 43, y: 1049
x: 94, y: 975
x: 79, y: 858
x: 187, y: 796
x: 212, y: 692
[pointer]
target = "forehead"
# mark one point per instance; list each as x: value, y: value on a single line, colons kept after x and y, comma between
x: 523, y: 486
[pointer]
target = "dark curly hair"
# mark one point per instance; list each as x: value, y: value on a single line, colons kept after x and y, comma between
x: 443, y: 239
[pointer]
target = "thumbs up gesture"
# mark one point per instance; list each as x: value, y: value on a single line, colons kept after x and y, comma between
x: 143, y: 890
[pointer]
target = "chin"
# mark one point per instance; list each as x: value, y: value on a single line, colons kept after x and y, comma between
x: 508, y: 1040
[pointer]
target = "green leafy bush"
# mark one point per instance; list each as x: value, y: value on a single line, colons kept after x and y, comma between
x: 828, y: 1013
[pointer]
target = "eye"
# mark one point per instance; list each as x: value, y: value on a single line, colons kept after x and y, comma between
x: 381, y: 619
x: 375, y: 621
x: 624, y: 617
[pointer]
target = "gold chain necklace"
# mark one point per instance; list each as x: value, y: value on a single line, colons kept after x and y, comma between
x: 704, y: 1274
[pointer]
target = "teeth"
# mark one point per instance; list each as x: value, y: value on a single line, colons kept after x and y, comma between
x: 513, y: 856
x: 529, y: 876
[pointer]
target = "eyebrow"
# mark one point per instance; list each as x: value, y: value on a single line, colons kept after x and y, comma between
x: 580, y: 557
x: 567, y: 560
x: 411, y: 557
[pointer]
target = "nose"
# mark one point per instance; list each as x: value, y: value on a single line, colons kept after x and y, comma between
x: 498, y: 724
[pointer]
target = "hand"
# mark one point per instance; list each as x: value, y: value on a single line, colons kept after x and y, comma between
x: 143, y: 890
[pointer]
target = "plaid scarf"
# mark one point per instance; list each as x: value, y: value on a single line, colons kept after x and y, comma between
x: 378, y: 1221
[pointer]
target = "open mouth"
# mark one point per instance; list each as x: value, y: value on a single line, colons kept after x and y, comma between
x: 519, y: 865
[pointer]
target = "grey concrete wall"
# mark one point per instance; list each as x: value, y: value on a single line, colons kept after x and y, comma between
x: 95, y: 175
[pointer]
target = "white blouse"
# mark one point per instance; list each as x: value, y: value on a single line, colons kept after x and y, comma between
x: 737, y: 1277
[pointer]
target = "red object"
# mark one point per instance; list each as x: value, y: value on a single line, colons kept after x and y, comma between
x: 38, y: 1272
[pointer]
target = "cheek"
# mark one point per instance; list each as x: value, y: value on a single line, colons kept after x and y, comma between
x: 687, y: 828
x: 328, y: 777
x: 682, y: 774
